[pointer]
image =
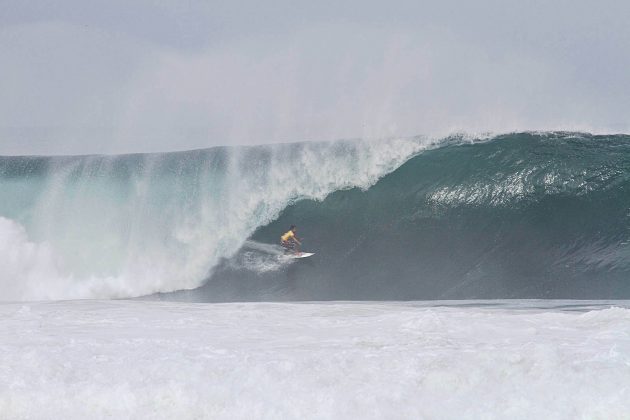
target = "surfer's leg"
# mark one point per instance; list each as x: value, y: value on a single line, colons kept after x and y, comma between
x: 288, y: 246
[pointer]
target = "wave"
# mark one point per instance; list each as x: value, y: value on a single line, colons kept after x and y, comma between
x: 132, y: 225
x: 527, y: 215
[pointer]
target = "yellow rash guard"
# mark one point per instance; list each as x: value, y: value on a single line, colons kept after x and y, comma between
x: 287, y: 236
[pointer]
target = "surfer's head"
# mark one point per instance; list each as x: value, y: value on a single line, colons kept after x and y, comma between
x: 293, y: 227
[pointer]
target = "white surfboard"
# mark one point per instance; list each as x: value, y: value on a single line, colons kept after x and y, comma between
x: 301, y: 255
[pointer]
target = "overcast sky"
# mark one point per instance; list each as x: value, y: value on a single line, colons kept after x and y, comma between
x: 117, y: 76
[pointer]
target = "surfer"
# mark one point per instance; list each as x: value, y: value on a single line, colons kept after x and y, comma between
x: 290, y: 242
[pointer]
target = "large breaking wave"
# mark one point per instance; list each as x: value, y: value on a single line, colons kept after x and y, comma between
x: 520, y: 216
x: 528, y: 215
x: 124, y: 226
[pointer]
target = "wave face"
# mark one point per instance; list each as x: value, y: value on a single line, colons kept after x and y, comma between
x: 519, y: 216
x: 124, y: 226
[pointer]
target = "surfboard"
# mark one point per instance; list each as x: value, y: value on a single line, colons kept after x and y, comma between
x: 301, y: 255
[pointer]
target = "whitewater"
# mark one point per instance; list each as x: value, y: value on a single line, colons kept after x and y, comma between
x: 466, y: 277
x: 129, y: 359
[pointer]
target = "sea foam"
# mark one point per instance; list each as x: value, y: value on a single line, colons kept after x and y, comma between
x: 464, y: 360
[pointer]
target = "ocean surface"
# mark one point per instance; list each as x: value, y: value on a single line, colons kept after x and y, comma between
x: 407, y: 360
x: 529, y: 215
x: 464, y: 277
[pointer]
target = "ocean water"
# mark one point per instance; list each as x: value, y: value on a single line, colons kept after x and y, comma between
x: 456, y: 278
x: 529, y: 215
x: 455, y: 360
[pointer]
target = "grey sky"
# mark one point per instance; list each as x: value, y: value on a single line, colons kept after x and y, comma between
x: 126, y: 76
